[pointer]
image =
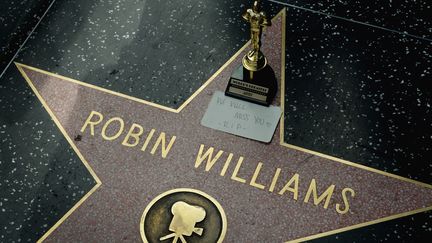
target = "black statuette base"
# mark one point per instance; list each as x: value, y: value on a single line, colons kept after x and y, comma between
x: 261, y: 88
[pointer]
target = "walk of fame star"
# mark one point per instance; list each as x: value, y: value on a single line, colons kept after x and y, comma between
x: 269, y: 192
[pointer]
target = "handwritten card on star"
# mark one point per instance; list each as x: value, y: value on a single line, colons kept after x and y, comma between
x: 241, y: 118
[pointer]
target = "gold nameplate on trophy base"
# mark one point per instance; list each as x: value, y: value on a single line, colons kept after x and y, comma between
x: 242, y: 88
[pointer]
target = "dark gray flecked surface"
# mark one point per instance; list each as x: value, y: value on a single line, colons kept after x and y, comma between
x: 41, y: 176
x: 17, y: 19
x: 147, y: 49
x: 405, y: 16
x: 362, y: 94
x: 372, y: 85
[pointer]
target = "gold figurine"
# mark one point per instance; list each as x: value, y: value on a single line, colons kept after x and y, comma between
x: 254, y: 80
x: 255, y: 60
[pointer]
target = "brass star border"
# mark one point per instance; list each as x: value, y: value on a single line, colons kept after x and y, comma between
x: 281, y: 14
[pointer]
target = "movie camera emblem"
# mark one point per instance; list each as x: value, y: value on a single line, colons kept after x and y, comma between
x: 183, y: 215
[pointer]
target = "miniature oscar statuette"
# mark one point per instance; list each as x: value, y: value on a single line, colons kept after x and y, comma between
x: 255, y: 80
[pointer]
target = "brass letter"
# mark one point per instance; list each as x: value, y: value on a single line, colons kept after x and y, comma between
x: 345, y: 199
x: 165, y: 150
x: 149, y: 136
x: 208, y: 154
x: 287, y: 187
x: 327, y: 194
x: 236, y: 170
x: 255, y: 176
x: 92, y: 123
x: 227, y: 162
x: 135, y: 135
x: 275, y: 178
x: 121, y: 122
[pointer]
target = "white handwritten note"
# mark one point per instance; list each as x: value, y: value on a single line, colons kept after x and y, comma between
x: 241, y: 118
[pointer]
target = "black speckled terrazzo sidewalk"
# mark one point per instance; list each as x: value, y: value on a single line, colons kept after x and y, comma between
x: 353, y: 91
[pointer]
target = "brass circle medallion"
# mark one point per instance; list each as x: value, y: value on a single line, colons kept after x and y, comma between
x: 183, y: 215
